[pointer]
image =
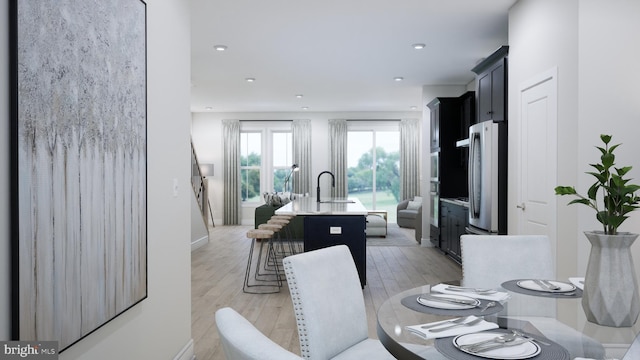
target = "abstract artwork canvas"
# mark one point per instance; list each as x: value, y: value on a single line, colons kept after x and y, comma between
x: 79, y: 165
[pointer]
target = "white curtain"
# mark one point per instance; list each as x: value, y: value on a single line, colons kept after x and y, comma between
x: 338, y: 148
x: 231, y: 179
x: 409, y: 158
x: 301, y: 143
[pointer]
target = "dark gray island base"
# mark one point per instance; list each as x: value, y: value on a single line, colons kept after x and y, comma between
x: 334, y: 222
x: 325, y: 231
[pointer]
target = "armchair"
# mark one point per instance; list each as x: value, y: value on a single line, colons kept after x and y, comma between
x: 409, y: 212
x: 330, y: 327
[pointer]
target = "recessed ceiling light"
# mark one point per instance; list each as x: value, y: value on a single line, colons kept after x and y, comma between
x: 299, y: 96
x: 220, y: 47
x: 305, y: 108
x: 398, y: 78
x: 418, y: 46
x: 250, y: 79
x: 208, y: 108
x: 413, y: 107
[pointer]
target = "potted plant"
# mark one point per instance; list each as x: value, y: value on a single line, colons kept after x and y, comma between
x: 611, y: 289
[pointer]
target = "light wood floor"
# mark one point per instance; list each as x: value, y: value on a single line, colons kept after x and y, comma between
x: 218, y: 273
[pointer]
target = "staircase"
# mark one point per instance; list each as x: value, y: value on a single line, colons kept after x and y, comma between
x: 199, y: 184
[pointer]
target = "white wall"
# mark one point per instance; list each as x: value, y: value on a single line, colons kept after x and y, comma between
x: 588, y: 41
x: 609, y: 93
x: 160, y: 326
x: 544, y: 34
x: 207, y: 140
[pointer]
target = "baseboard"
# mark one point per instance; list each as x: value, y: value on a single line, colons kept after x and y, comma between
x: 199, y: 242
x: 187, y: 352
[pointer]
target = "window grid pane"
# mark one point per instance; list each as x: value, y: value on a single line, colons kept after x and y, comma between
x: 250, y: 165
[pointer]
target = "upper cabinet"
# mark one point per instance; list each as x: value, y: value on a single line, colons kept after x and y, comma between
x: 491, y: 86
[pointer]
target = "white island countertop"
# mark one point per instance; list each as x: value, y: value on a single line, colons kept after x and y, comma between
x: 309, y: 206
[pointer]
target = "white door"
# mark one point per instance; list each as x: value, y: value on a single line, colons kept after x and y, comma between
x: 537, y: 165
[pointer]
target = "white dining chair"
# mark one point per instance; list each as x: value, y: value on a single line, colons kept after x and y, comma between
x: 242, y: 341
x: 329, y: 306
x: 490, y: 260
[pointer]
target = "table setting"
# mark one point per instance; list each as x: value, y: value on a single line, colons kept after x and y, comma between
x: 502, y: 344
x: 452, y: 300
x: 543, y: 288
x: 470, y: 336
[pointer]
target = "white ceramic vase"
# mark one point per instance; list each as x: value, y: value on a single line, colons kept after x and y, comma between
x: 610, y: 295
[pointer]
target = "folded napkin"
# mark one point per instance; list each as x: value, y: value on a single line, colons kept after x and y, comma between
x: 578, y: 282
x: 458, y: 330
x: 497, y: 296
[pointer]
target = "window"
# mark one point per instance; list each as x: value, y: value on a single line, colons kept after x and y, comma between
x: 250, y: 166
x: 282, y: 159
x: 377, y: 187
x: 265, y: 158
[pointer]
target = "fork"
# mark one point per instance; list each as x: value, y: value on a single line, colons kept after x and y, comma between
x: 498, y: 346
x: 531, y: 338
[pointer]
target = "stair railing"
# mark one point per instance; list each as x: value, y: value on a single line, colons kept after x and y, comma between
x: 199, y: 184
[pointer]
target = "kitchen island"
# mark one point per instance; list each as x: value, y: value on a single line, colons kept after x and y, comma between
x: 333, y: 222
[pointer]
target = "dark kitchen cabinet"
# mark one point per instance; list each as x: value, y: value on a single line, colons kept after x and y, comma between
x: 491, y: 86
x: 467, y: 113
x: 454, y: 221
x: 448, y: 173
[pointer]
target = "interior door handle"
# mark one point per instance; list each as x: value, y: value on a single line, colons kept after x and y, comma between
x: 521, y: 206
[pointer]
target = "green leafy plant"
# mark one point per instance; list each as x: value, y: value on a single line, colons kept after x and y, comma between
x: 618, y: 198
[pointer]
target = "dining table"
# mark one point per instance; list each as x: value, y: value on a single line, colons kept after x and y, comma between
x: 554, y: 323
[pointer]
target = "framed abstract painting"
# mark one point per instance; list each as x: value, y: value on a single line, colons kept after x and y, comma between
x: 79, y: 165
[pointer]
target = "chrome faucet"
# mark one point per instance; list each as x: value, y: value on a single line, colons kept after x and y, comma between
x: 333, y: 183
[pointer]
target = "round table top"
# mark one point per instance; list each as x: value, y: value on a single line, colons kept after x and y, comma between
x: 565, y: 314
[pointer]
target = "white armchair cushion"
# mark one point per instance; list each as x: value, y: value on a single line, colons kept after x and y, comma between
x: 414, y: 205
x: 242, y: 341
x: 368, y: 349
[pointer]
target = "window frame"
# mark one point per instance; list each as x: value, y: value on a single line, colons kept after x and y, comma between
x: 373, y: 127
x: 267, y: 169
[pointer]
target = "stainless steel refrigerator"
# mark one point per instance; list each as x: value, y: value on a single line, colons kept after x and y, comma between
x: 488, y: 178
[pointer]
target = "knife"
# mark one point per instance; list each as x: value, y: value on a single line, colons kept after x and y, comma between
x: 498, y: 346
x: 448, y: 299
x: 474, y: 290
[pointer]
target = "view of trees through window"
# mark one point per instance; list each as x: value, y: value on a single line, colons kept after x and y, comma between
x: 374, y: 169
x: 373, y: 174
x: 282, y: 160
x: 250, y: 165
x: 277, y: 161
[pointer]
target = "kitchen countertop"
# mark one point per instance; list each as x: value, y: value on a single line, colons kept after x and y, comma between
x: 456, y: 201
x: 309, y: 206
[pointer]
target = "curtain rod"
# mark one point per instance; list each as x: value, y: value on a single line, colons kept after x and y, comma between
x: 266, y: 120
x: 373, y: 119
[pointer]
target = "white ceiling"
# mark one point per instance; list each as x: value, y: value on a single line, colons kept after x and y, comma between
x: 342, y: 55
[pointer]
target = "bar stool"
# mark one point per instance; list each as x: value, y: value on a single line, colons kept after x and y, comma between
x: 280, y: 220
x: 271, y: 258
x: 295, y: 245
x: 259, y: 234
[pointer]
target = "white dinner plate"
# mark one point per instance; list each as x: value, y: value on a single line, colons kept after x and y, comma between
x: 533, y: 285
x: 525, y: 350
x: 447, y: 305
